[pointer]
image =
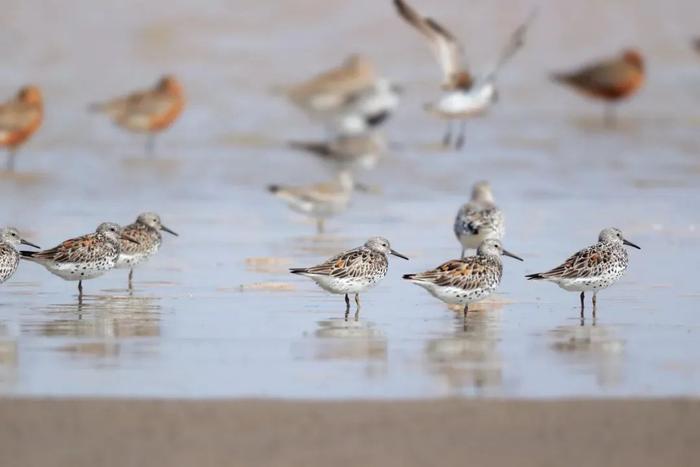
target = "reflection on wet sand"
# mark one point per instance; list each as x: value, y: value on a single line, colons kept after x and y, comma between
x: 337, y: 339
x: 9, y: 358
x: 468, y: 358
x: 594, y: 349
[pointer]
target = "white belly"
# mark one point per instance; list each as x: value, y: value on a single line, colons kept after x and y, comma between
x: 80, y: 271
x: 127, y: 260
x: 456, y: 295
x: 344, y: 285
x: 469, y: 240
x: 459, y: 104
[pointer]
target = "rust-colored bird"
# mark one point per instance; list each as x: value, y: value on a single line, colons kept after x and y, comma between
x: 610, y: 80
x: 20, y: 117
x: 150, y: 111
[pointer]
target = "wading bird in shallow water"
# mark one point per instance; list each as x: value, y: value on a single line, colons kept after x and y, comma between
x: 353, y: 271
x: 610, y: 81
x: 146, y: 230
x: 467, y: 280
x: 318, y: 201
x: 9, y: 256
x: 479, y: 219
x: 83, y: 257
x: 465, y: 95
x: 20, y: 117
x: 150, y: 111
x: 592, y: 269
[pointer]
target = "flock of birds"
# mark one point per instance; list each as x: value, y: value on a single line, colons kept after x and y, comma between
x: 352, y: 102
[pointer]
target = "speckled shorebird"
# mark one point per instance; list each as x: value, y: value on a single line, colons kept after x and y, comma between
x: 150, y: 111
x: 610, y: 80
x: 320, y: 200
x: 83, y: 257
x: 592, y: 269
x: 479, y: 219
x: 361, y: 151
x: 9, y: 256
x: 146, y: 230
x: 465, y: 95
x: 19, y: 119
x: 353, y: 271
x: 467, y: 280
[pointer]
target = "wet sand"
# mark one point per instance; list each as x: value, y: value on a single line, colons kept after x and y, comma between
x: 281, y: 433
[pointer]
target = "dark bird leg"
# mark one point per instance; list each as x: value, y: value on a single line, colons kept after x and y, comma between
x: 447, y: 139
x: 80, y: 292
x: 466, y: 312
x: 131, y: 277
x: 610, y: 116
x: 594, y: 303
x: 464, y: 250
x: 347, y: 306
x: 151, y: 144
x: 583, y: 295
x: 460, y: 136
x: 11, y: 155
x: 319, y: 226
x: 357, y: 311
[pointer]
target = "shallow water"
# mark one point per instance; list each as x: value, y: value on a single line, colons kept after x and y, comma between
x: 215, y: 314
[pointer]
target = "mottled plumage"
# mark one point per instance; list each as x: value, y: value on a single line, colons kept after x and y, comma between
x: 467, y: 280
x: 146, y: 230
x: 84, y: 257
x: 9, y: 256
x: 592, y: 269
x: 479, y: 219
x: 353, y: 271
x: 20, y: 117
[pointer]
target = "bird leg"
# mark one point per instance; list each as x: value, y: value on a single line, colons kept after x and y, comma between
x: 466, y: 311
x: 131, y: 277
x: 357, y: 311
x: 11, y: 154
x: 610, y: 116
x: 447, y: 139
x: 460, y: 136
x: 150, y: 144
x: 594, y: 303
x: 319, y: 226
x: 347, y: 306
x: 80, y: 292
x: 583, y: 295
x: 464, y: 250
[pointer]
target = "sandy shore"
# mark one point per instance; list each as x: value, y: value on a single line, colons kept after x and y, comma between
x: 177, y: 433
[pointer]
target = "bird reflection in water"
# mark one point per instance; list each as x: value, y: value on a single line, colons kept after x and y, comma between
x: 9, y: 357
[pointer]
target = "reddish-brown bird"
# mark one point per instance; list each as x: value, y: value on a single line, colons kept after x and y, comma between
x: 150, y: 111
x: 20, y: 117
x: 610, y: 80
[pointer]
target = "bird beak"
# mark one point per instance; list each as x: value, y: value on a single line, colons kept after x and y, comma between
x: 628, y: 243
x: 24, y: 242
x: 508, y: 253
x: 129, y: 239
x: 396, y: 253
x: 165, y: 229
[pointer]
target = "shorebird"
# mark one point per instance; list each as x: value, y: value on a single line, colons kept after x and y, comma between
x: 82, y: 258
x: 592, y: 269
x: 150, y: 111
x: 146, y: 230
x: 464, y: 95
x: 367, y: 109
x: 20, y: 117
x: 611, y: 80
x: 318, y: 201
x: 9, y: 256
x: 479, y: 219
x: 467, y: 280
x: 354, y: 152
x: 352, y: 271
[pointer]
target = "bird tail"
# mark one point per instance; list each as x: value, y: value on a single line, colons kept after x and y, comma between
x: 28, y: 254
x: 274, y: 188
x: 561, y: 78
x: 318, y: 148
x: 536, y: 276
x: 97, y: 107
x: 409, y: 276
x: 298, y: 270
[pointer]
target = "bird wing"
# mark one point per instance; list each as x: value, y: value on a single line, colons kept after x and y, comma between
x: 583, y: 263
x: 71, y: 250
x: 16, y: 115
x: 464, y: 273
x: 605, y: 76
x: 443, y: 44
x: 342, y: 265
x: 354, y: 74
x: 473, y: 217
x: 514, y: 44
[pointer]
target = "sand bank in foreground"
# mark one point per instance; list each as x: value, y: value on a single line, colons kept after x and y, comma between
x: 447, y: 432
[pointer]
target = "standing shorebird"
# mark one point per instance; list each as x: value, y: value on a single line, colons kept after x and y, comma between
x: 146, y: 230
x: 9, y: 256
x: 479, y: 219
x: 83, y: 257
x: 367, y: 109
x: 353, y: 271
x: 318, y: 201
x: 465, y: 96
x: 592, y: 269
x: 611, y: 80
x: 347, y: 152
x: 467, y: 280
x: 19, y: 119
x: 150, y: 111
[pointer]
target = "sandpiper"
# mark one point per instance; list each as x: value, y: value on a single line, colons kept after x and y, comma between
x: 83, y: 257
x: 367, y: 109
x: 592, y: 269
x: 150, y: 111
x: 479, y: 219
x: 465, y: 95
x: 610, y: 80
x: 352, y: 271
x: 361, y: 151
x: 9, y: 256
x: 320, y: 200
x: 20, y: 117
x: 146, y: 230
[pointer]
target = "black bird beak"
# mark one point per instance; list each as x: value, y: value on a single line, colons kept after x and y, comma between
x: 396, y: 253
x: 508, y: 253
x: 129, y: 239
x: 24, y: 242
x: 628, y: 243
x: 165, y: 229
